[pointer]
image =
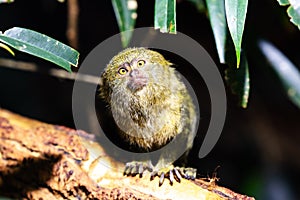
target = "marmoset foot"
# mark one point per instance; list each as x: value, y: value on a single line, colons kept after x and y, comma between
x: 173, y: 174
x: 137, y: 167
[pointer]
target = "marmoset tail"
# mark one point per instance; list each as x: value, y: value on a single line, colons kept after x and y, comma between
x: 151, y: 106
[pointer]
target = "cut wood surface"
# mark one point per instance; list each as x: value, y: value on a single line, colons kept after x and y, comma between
x: 43, y: 161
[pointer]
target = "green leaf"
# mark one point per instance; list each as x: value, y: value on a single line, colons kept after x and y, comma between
x: 283, y: 2
x: 236, y: 11
x: 285, y: 70
x: 216, y: 11
x: 293, y: 10
x: 125, y: 11
x: 294, y: 14
x: 165, y: 16
x: 239, y: 81
x: 199, y: 5
x: 40, y: 45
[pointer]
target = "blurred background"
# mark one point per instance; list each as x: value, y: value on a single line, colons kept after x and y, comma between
x: 258, y: 151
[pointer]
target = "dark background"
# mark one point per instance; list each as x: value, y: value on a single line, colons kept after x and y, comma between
x: 258, y: 151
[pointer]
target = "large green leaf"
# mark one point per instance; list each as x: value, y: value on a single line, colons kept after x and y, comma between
x: 125, y: 11
x: 285, y: 70
x: 165, y: 16
x: 236, y: 11
x: 239, y: 81
x: 293, y: 10
x: 40, y: 45
x: 216, y: 11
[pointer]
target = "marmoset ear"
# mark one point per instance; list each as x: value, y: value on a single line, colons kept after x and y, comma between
x: 104, y: 89
x: 103, y: 80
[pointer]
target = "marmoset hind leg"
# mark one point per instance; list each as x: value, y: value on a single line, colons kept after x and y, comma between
x: 163, y: 165
x: 165, y: 168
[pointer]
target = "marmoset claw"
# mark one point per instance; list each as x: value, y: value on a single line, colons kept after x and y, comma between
x: 174, y: 174
x: 136, y: 167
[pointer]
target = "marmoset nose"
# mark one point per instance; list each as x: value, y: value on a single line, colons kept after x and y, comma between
x: 134, y: 73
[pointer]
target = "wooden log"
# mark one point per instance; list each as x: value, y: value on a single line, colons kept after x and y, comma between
x: 43, y: 161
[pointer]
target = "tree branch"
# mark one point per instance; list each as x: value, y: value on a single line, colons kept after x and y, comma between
x: 43, y: 161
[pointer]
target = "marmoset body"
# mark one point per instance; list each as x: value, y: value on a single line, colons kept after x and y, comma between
x: 151, y: 106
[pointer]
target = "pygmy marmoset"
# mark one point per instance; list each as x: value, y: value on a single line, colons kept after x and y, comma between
x: 151, y: 106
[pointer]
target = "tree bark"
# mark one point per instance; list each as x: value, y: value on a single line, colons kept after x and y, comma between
x: 43, y: 161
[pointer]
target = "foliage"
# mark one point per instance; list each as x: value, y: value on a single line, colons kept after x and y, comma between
x: 39, y: 45
x: 3, y: 46
x: 199, y: 5
x: 285, y: 70
x: 165, y: 16
x: 239, y: 81
x: 235, y: 15
x: 225, y: 16
x: 216, y: 11
x: 125, y: 11
x: 293, y: 10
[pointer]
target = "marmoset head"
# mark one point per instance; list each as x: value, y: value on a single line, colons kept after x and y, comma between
x: 134, y: 69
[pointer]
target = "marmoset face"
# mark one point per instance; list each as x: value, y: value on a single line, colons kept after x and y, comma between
x: 136, y: 69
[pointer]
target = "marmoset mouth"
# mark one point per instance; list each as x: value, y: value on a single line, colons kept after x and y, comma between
x: 136, y: 83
